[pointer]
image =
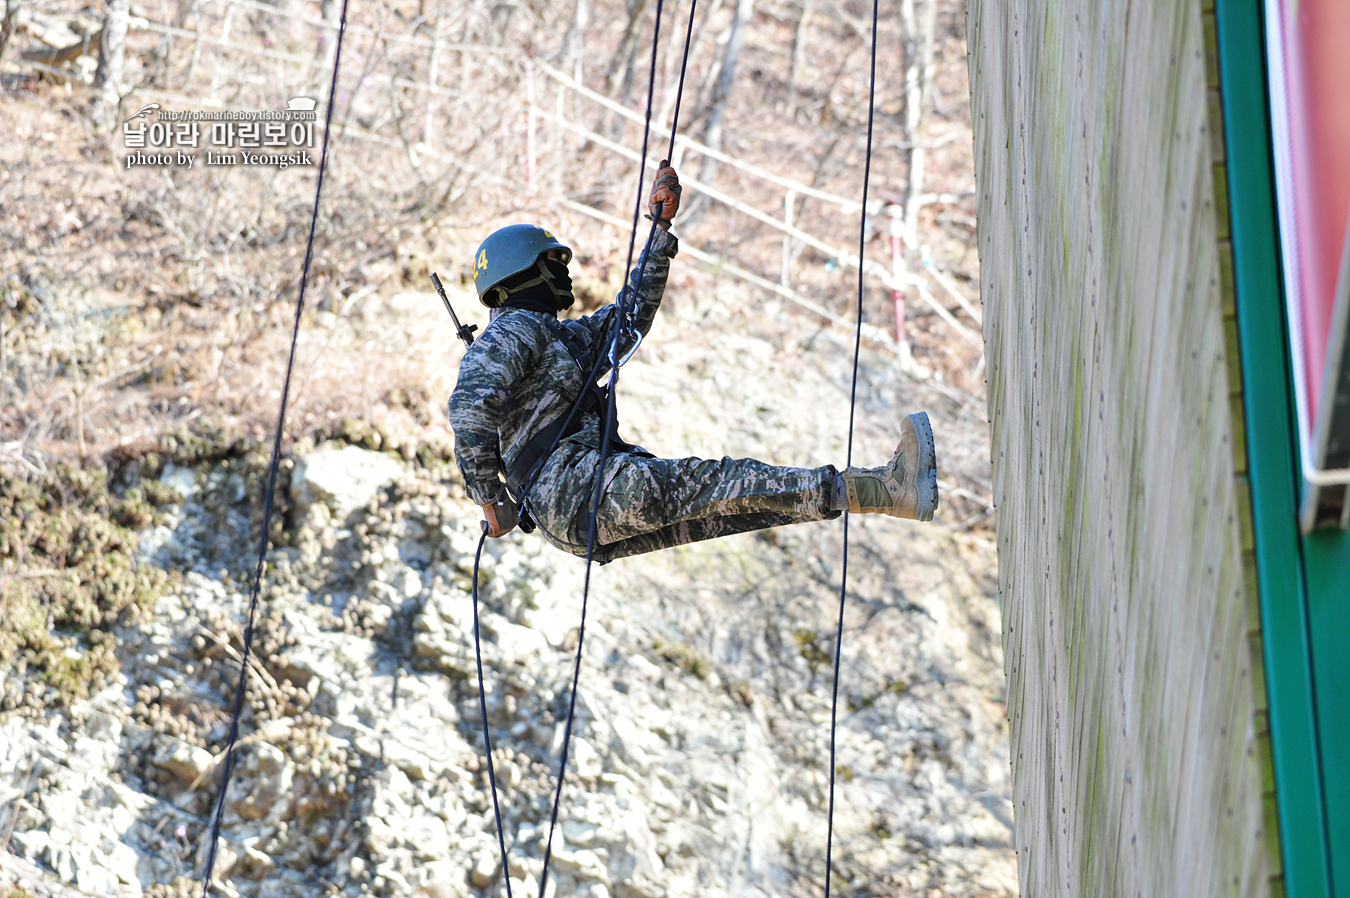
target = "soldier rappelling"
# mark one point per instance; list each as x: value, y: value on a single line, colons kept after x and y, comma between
x: 528, y: 419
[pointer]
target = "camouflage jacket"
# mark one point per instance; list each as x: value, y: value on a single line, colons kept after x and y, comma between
x: 518, y: 377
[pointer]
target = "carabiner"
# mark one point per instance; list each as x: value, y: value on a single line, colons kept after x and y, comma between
x: 627, y: 355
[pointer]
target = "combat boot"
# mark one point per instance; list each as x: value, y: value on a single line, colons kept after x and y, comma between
x: 907, y: 486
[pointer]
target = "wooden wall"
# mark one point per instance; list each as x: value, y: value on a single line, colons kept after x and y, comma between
x: 1135, y: 702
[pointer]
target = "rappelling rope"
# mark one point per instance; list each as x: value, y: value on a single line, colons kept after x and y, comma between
x: 620, y: 322
x: 852, y: 403
x: 670, y: 154
x: 610, y: 412
x: 482, y: 707
x: 610, y: 415
x: 240, y: 687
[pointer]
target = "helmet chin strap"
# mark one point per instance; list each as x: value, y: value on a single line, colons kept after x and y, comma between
x: 562, y: 299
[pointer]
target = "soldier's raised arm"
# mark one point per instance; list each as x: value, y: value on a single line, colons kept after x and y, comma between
x: 647, y: 281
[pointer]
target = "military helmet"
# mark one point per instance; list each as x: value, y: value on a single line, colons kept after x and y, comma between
x: 507, y: 252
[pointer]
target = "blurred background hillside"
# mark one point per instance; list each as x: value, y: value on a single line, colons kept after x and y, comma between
x: 144, y: 319
x: 435, y: 144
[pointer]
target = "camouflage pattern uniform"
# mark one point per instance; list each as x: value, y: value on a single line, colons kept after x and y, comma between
x: 518, y: 377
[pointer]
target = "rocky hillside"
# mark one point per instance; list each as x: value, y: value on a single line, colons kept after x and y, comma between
x: 700, y: 757
x: 144, y: 324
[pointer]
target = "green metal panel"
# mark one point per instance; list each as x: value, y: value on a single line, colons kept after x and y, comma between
x: 1326, y: 558
x: 1270, y: 449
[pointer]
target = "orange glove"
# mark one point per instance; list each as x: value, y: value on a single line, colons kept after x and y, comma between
x: 501, y: 517
x: 665, y: 196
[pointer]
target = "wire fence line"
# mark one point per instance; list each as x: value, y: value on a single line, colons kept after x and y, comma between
x: 462, y: 109
x: 847, y: 258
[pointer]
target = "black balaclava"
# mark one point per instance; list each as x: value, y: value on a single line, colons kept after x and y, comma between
x: 551, y: 292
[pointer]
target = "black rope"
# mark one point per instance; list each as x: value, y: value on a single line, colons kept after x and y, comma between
x: 523, y: 498
x: 621, y: 313
x: 482, y: 707
x: 626, y: 296
x: 612, y: 337
x: 242, y: 685
x: 679, y: 92
x: 852, y: 403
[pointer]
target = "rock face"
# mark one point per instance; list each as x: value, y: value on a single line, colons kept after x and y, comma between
x: 700, y: 753
x: 342, y: 479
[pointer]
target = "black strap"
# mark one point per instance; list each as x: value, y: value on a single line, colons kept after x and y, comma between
x: 521, y: 473
x: 504, y: 292
x: 574, y: 343
x: 596, y: 397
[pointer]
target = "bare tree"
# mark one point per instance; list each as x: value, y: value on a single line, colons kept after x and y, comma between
x: 574, y: 42
x: 919, y: 40
x: 433, y: 71
x: 620, y: 75
x: 712, y: 131
x: 111, y: 54
x: 7, y: 27
x: 798, y: 55
x: 712, y: 128
x: 327, y: 45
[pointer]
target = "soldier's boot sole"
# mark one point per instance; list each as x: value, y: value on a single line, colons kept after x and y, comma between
x: 906, y: 487
x: 925, y: 472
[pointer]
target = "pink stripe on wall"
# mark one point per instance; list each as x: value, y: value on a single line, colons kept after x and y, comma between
x: 1317, y: 67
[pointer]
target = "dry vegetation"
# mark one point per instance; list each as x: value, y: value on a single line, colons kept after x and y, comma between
x: 136, y: 298
x: 145, y: 312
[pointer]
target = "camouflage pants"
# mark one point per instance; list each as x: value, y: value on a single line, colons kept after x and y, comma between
x: 654, y: 503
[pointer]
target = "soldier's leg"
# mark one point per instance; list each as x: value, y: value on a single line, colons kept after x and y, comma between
x: 644, y: 495
x: 653, y: 503
x: 668, y: 502
x: 691, y: 532
x: 707, y: 499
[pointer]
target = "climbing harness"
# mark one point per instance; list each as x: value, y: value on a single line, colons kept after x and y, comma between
x: 272, y: 466
x: 522, y: 472
x: 624, y: 313
x: 526, y: 474
x: 530, y: 462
